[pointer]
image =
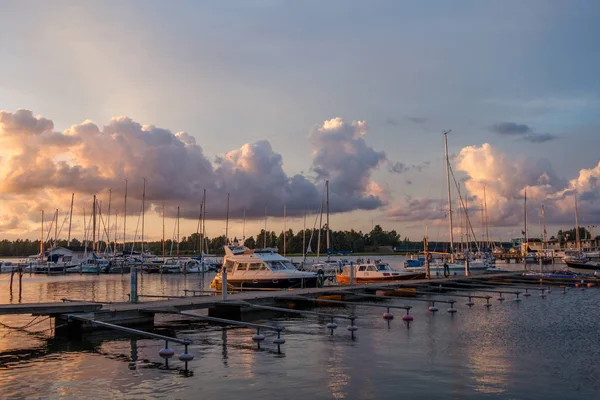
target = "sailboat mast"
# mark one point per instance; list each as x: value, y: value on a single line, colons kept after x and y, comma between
x: 178, y: 232
x: 227, y: 222
x: 143, y: 214
x: 125, y: 218
x: 108, y: 218
x: 244, y: 228
x: 304, y: 237
x: 56, y: 230
x: 577, y: 224
x: 163, y: 230
x: 42, y: 238
x: 284, y: 231
x: 320, y: 229
x: 526, y: 233
x: 94, y: 225
x: 265, y: 235
x: 449, y: 195
x: 487, y: 226
x: 70, y: 220
x: 203, y: 224
x: 327, y: 211
x: 544, y: 232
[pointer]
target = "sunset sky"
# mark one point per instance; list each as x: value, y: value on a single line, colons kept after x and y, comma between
x: 266, y: 100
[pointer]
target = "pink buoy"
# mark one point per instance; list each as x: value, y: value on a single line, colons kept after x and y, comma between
x: 166, y: 353
x: 470, y: 303
x: 407, y: 317
x: 388, y: 315
x: 452, y: 310
x: 433, y: 308
x: 258, y: 338
x: 526, y: 294
x: 352, y: 328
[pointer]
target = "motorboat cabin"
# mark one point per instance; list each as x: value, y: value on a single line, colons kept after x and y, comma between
x: 370, y: 273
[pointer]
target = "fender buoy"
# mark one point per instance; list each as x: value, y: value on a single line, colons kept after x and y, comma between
x: 320, y: 277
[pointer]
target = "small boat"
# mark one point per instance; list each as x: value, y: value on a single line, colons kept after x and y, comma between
x: 373, y: 273
x: 583, y: 264
x: 260, y: 269
x: 558, y: 274
x: 9, y: 266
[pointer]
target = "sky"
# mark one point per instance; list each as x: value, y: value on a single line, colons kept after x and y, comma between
x: 267, y: 100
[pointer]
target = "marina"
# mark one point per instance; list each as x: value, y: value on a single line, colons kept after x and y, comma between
x: 259, y: 323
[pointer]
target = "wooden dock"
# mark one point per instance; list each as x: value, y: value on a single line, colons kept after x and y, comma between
x: 126, y: 313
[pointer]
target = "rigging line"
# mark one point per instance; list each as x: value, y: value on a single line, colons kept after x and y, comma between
x: 468, y: 220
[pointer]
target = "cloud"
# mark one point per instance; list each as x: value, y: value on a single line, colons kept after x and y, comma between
x: 341, y: 156
x: 539, y: 137
x: 417, y: 120
x: 400, y: 168
x: 41, y: 168
x: 505, y: 180
x: 527, y: 133
x: 510, y: 128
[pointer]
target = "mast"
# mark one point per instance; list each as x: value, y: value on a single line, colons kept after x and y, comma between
x: 108, y: 219
x: 227, y: 222
x: 544, y: 232
x: 143, y: 214
x: 56, y: 230
x: 304, y: 237
x: 178, y: 232
x: 94, y: 226
x: 426, y: 251
x: 460, y: 221
x: 265, y: 235
x: 284, y: 231
x: 204, y: 221
x: 163, y: 230
x: 327, y: 220
x: 487, y: 226
x: 449, y: 195
x: 70, y: 219
x: 198, y: 242
x: 526, y: 233
x: 99, y: 225
x: 481, y: 245
x: 116, y: 230
x: 244, y: 228
x: 577, y: 224
x: 320, y: 229
x: 42, y: 238
x: 125, y: 218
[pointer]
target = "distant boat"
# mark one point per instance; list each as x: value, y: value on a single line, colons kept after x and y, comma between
x: 583, y: 264
x: 260, y: 269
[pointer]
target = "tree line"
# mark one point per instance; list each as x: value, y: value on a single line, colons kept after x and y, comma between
x: 295, y: 242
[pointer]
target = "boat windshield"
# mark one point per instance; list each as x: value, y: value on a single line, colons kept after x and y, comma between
x: 383, y: 267
x: 279, y: 265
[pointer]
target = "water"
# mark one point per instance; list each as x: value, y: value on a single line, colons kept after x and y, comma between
x: 538, y: 348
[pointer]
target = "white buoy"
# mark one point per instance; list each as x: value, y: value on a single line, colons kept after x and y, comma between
x: 186, y: 357
x: 501, y: 298
x: 470, y: 302
x: 331, y: 325
x: 452, y: 310
x: 278, y: 341
x: 258, y: 338
x: 166, y: 353
x: 433, y: 308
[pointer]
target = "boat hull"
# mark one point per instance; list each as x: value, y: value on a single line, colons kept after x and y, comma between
x: 590, y: 265
x: 258, y: 284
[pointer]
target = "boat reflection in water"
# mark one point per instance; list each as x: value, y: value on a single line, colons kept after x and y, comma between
x: 261, y: 269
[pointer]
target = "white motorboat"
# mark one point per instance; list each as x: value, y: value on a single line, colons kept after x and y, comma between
x: 260, y: 269
x: 372, y: 273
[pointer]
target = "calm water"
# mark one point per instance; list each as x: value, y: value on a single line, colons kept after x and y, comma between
x: 539, y: 348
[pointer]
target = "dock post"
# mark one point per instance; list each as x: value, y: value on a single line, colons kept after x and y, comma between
x: 467, y: 272
x: 133, y: 294
x: 351, y: 273
x: 224, y: 282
